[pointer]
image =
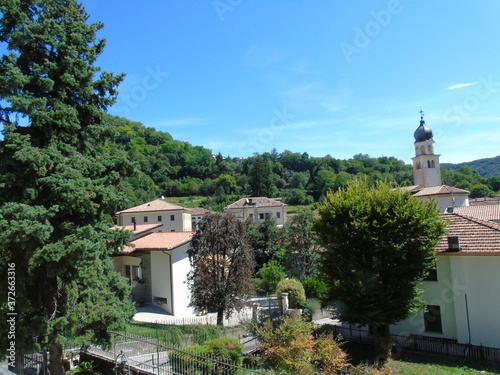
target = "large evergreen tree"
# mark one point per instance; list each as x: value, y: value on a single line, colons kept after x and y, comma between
x: 57, y: 186
x: 378, y: 243
x: 222, y: 265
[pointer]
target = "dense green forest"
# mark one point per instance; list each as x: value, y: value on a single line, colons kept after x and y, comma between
x: 488, y: 167
x: 173, y: 168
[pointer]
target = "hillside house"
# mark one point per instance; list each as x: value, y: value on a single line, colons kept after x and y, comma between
x: 462, y: 292
x: 157, y: 263
x: 259, y: 208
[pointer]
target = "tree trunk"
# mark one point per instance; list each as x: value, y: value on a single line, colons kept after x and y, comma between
x: 220, y: 317
x: 382, y: 343
x: 56, y: 359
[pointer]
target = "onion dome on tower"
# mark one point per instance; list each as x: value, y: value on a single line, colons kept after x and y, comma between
x: 423, y: 132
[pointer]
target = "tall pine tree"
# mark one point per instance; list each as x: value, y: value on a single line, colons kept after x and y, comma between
x: 57, y: 186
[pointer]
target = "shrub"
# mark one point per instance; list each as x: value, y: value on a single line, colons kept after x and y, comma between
x: 316, y: 288
x: 203, y: 333
x: 295, y: 290
x: 196, y: 360
x: 270, y: 275
x: 292, y: 348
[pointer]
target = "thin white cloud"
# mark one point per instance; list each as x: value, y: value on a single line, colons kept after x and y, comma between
x: 462, y: 85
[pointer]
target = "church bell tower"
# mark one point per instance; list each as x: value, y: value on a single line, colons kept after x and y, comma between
x: 426, y: 168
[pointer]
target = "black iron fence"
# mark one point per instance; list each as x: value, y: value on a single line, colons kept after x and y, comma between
x: 424, y: 344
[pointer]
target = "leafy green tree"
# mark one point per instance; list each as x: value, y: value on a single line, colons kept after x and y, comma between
x: 378, y: 243
x: 270, y: 275
x: 222, y: 264
x: 265, y: 238
x: 481, y: 191
x: 261, y: 177
x: 57, y: 186
x: 301, y: 249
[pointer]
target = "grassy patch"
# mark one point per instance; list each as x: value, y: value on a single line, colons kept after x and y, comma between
x: 422, y: 364
x: 416, y: 364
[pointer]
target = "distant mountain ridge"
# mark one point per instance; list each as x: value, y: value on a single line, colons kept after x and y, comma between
x: 487, y: 167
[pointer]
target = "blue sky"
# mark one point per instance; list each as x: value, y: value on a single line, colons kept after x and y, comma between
x: 322, y: 77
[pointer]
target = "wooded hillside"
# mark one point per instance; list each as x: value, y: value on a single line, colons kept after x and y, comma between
x: 169, y: 167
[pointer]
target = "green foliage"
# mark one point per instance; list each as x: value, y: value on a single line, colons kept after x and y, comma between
x: 203, y: 332
x: 297, y: 197
x: 378, y: 243
x: 295, y: 290
x: 222, y: 264
x: 261, y: 177
x: 317, y: 288
x: 265, y: 238
x: 301, y: 250
x: 480, y: 191
x: 59, y: 180
x: 270, y: 275
x: 196, y: 360
x: 292, y: 348
x: 84, y: 368
x: 487, y: 167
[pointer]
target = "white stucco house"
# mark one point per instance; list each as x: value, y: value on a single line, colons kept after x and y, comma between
x: 259, y: 208
x: 157, y: 263
x: 462, y: 295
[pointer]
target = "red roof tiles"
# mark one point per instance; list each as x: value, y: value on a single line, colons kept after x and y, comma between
x: 476, y: 236
x: 159, y: 241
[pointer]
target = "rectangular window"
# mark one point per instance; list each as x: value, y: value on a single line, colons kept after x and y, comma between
x: 172, y: 217
x: 432, y: 319
x: 160, y: 218
x: 278, y: 215
x: 261, y: 216
x: 145, y: 219
x: 136, y: 273
x: 172, y: 230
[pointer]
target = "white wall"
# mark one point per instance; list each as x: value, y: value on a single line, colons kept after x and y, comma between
x: 181, y: 222
x: 180, y: 269
x: 478, y: 279
x: 160, y: 279
x: 448, y: 200
x: 468, y: 292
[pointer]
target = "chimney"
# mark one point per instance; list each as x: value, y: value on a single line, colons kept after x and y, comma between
x: 453, y: 244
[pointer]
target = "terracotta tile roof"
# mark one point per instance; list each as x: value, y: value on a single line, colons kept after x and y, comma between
x: 256, y: 202
x: 441, y: 189
x: 488, y: 212
x: 484, y: 201
x: 199, y: 211
x: 138, y: 228
x: 159, y: 241
x: 476, y: 236
x: 157, y: 205
x: 412, y: 189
